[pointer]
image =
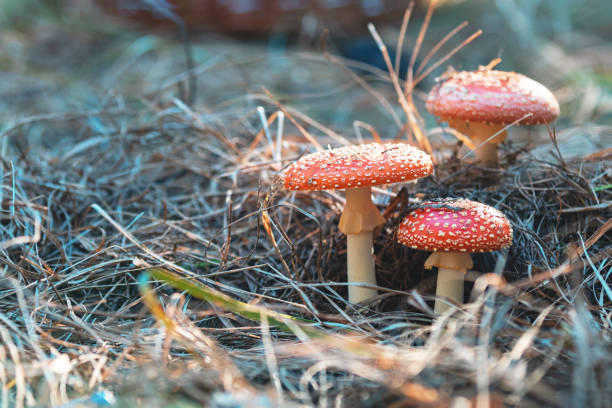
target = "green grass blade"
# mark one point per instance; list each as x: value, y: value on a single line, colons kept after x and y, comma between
x: 294, y: 325
x: 602, y: 188
x: 224, y: 301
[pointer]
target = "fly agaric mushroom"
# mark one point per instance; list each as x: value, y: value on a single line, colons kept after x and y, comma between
x: 453, y: 229
x: 356, y: 169
x: 481, y: 104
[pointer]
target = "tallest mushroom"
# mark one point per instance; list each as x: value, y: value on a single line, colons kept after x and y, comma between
x: 356, y: 169
x: 481, y: 104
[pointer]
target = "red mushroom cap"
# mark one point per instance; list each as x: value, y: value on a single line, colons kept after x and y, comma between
x: 455, y: 225
x: 492, y: 97
x: 358, y: 166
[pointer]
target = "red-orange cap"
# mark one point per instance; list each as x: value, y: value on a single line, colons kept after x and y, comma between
x: 492, y: 97
x: 358, y: 166
x: 455, y: 225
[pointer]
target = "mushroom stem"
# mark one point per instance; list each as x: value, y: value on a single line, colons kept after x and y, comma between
x: 360, y: 266
x: 359, y: 214
x: 486, y: 154
x: 359, y: 218
x: 481, y: 134
x: 452, y: 267
x: 449, y: 286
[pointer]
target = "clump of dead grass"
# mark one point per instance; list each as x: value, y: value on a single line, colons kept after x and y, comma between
x: 155, y: 184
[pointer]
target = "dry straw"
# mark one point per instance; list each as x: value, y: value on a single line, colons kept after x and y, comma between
x: 243, y: 300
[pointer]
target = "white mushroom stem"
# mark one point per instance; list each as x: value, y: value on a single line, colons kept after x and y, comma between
x: 359, y: 218
x: 360, y: 266
x: 452, y: 267
x: 485, y: 147
x: 449, y: 286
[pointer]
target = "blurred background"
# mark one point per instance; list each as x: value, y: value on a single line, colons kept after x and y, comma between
x: 66, y: 55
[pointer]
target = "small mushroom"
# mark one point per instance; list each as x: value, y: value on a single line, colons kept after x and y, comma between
x: 481, y: 104
x: 356, y: 169
x: 453, y: 229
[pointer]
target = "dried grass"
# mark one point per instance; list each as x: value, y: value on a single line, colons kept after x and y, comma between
x: 92, y: 198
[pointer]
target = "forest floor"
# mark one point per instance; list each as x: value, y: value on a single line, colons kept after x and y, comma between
x: 149, y: 259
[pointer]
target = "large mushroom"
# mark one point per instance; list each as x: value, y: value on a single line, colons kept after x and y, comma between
x: 356, y: 169
x: 482, y: 103
x: 453, y: 229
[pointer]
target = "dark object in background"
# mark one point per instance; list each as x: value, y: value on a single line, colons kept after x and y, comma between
x: 364, y: 49
x: 258, y: 16
x: 346, y: 20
